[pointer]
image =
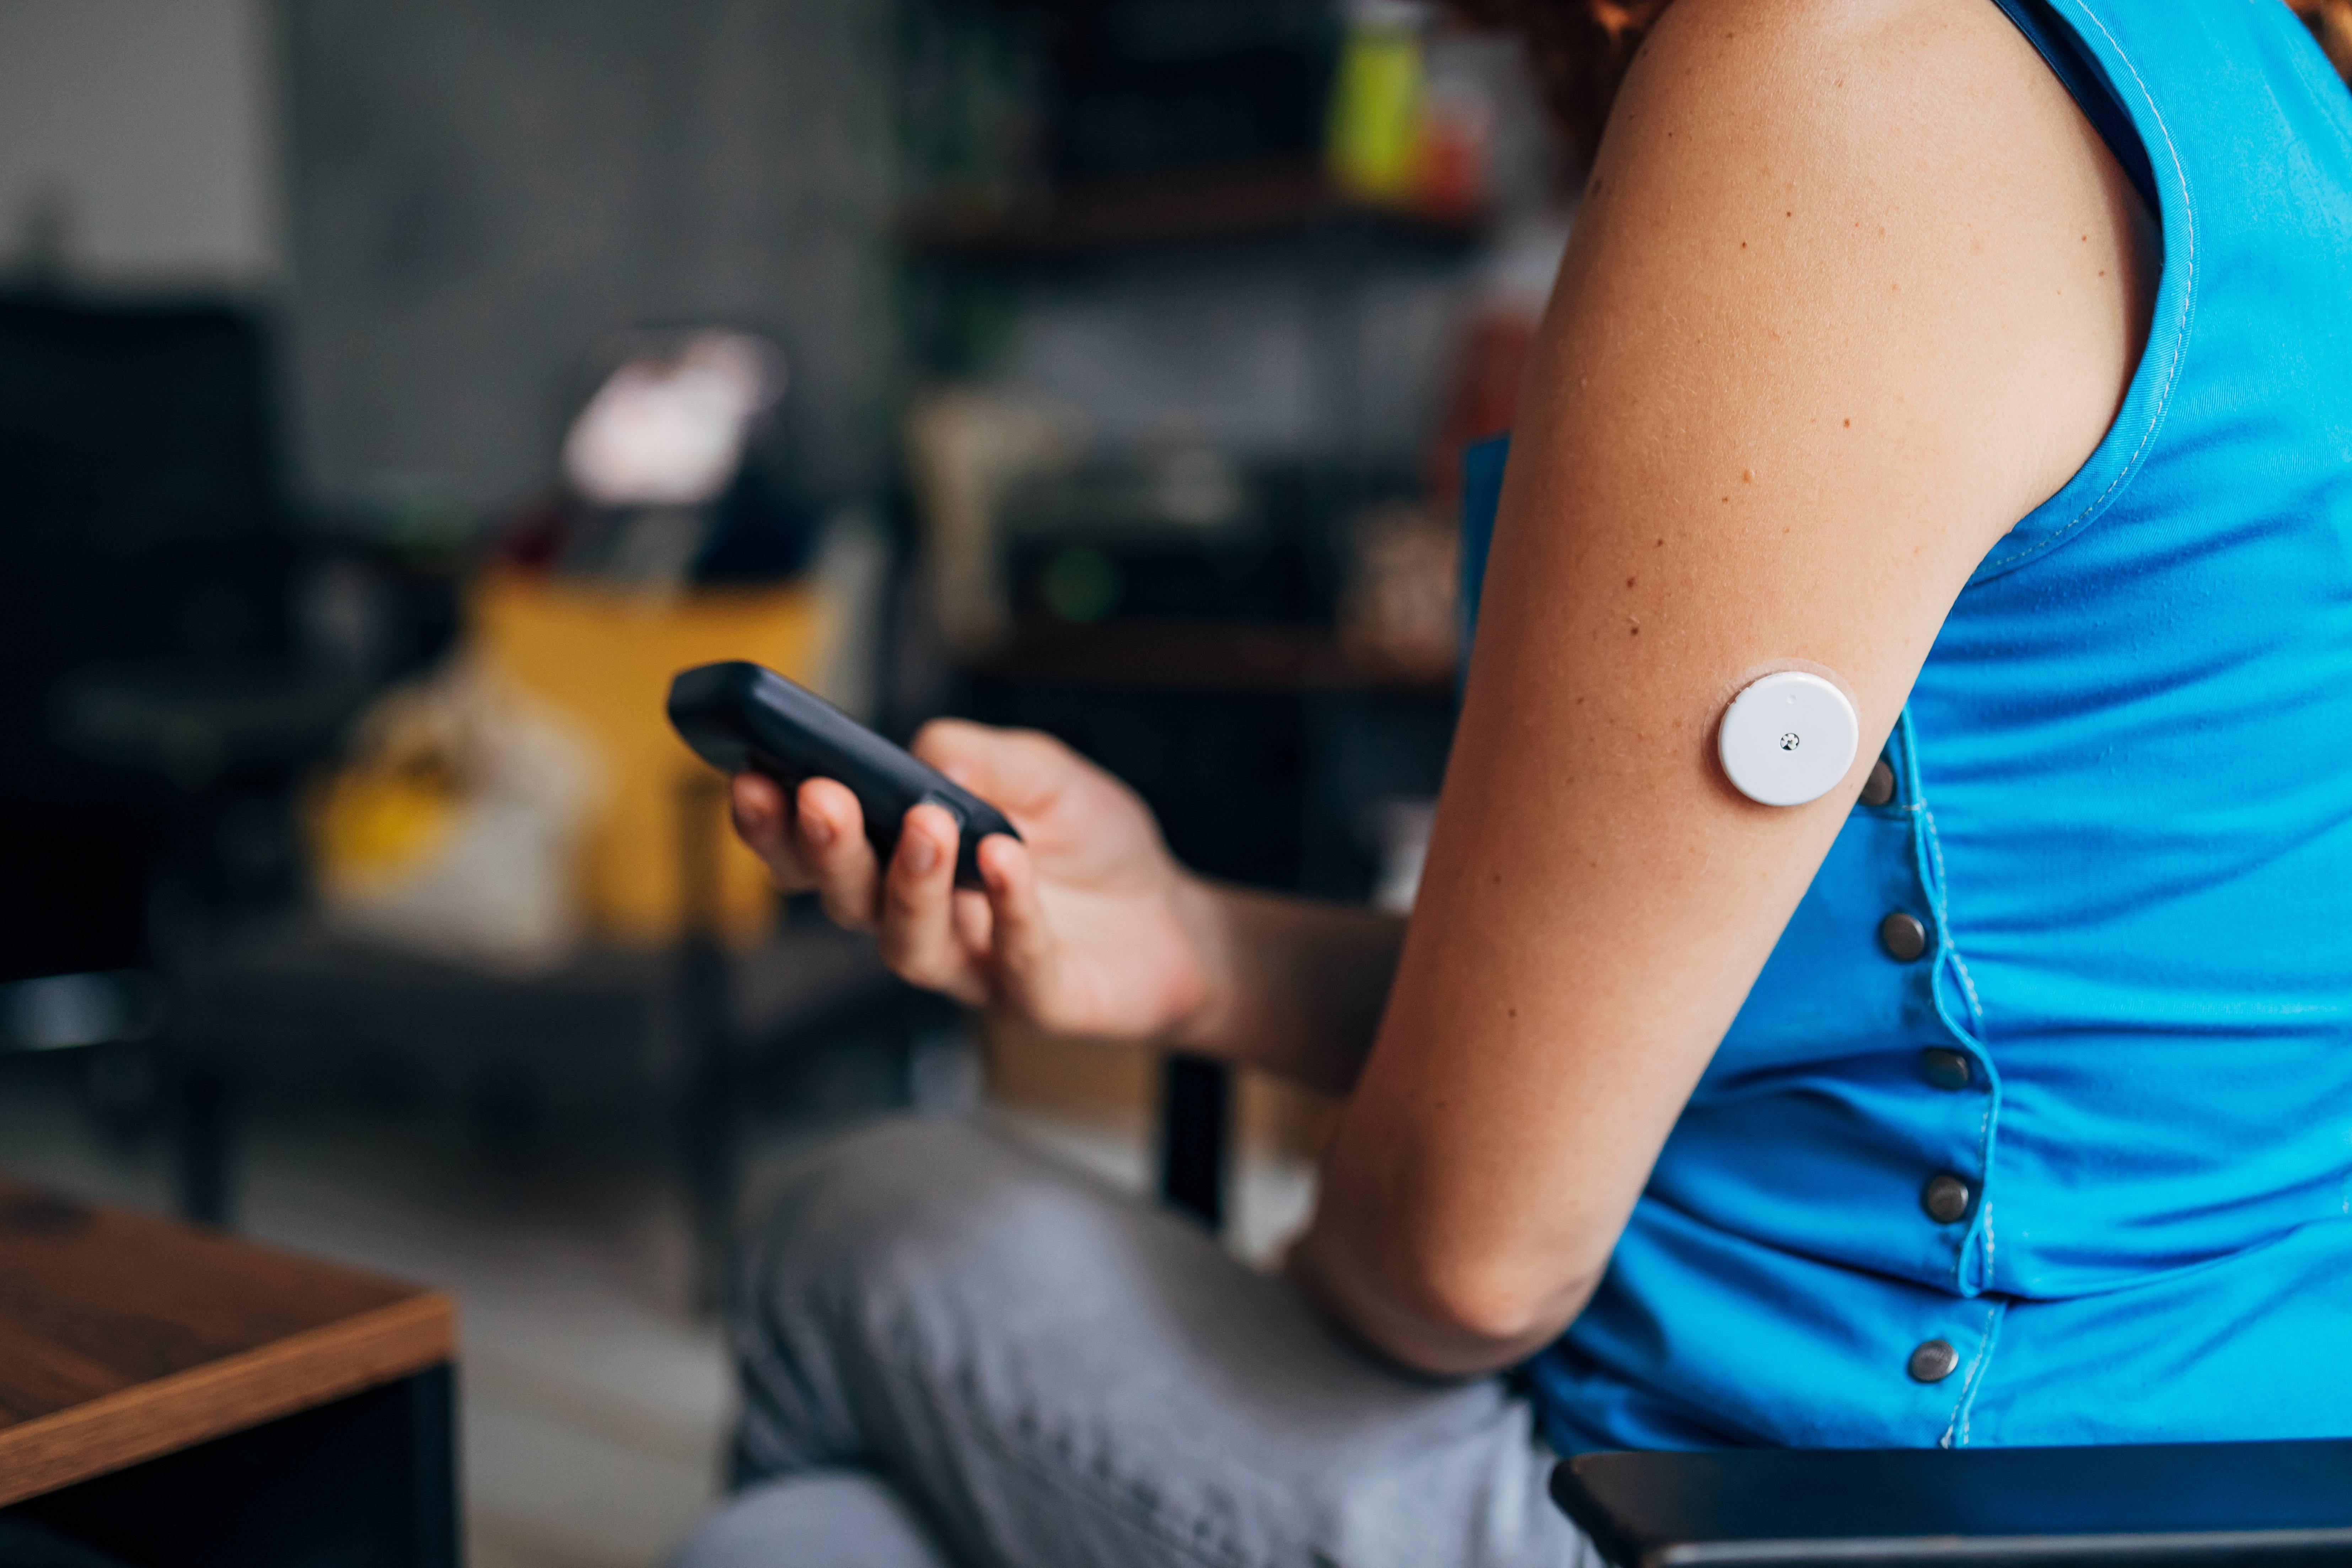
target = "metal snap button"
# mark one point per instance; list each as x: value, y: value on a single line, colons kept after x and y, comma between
x: 1903, y: 937
x: 1948, y: 1068
x: 1947, y: 1198
x: 1933, y: 1362
x: 1878, y: 789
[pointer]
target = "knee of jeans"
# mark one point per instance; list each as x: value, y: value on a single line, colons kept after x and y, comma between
x: 880, y: 1211
x: 826, y: 1517
x: 852, y: 1270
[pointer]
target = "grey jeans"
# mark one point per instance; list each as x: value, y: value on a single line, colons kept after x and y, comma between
x: 954, y: 1352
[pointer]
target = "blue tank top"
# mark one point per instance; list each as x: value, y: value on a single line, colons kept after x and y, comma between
x: 2080, y: 1171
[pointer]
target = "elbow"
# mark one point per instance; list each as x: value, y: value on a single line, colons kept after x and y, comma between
x: 1436, y: 1274
x: 1444, y: 1313
x: 1499, y: 1311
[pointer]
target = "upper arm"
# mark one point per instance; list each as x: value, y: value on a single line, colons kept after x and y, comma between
x: 1854, y: 288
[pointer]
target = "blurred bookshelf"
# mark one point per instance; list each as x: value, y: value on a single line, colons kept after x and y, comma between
x: 1247, y: 202
x: 1114, y: 202
x: 1241, y: 658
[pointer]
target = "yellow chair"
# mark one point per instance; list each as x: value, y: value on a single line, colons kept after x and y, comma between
x: 604, y: 659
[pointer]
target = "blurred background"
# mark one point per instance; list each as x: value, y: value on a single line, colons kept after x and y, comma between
x: 393, y: 397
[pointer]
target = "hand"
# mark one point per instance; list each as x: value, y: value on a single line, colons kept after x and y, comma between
x: 1088, y: 926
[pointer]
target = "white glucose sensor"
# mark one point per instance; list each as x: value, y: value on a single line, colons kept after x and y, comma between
x: 1788, y: 739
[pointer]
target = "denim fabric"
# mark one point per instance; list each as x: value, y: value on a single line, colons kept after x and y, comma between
x: 1044, y: 1374
x: 817, y: 1519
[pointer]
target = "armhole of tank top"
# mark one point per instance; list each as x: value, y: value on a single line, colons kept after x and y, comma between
x: 2092, y: 65
x: 1481, y: 498
x: 2062, y: 51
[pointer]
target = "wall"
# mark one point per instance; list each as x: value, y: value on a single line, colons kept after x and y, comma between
x: 137, y: 142
x: 482, y: 190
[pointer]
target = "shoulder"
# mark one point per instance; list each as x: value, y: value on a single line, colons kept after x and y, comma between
x: 1803, y: 189
x: 1833, y: 67
x: 1928, y: 103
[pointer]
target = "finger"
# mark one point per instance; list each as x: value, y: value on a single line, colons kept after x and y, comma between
x: 759, y: 809
x: 829, y: 835
x: 1021, y: 941
x: 918, y: 935
x: 972, y: 924
x: 1018, y: 771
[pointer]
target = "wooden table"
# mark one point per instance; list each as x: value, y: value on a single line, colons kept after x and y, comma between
x: 169, y: 1395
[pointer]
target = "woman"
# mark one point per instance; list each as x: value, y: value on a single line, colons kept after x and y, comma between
x: 2001, y: 1096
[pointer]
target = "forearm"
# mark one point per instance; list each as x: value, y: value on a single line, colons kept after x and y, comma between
x: 1296, y: 986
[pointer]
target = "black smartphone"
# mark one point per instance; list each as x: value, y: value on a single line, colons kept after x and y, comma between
x: 740, y: 716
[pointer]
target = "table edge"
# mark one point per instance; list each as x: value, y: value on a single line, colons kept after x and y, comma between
x: 297, y: 1373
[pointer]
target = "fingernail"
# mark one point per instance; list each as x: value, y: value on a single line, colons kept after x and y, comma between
x: 921, y: 854
x: 816, y: 830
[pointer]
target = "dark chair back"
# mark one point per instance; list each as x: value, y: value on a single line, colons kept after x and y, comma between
x: 140, y: 529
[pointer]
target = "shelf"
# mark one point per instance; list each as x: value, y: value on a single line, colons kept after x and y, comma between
x: 1255, y: 201
x: 1202, y: 658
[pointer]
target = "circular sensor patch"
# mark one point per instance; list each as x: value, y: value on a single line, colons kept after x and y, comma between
x: 1788, y: 739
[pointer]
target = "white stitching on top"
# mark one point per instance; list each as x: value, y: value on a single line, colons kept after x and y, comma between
x: 1956, y: 1432
x: 1986, y: 1130
x: 1947, y: 950
x: 1942, y: 895
x: 1968, y: 984
x: 1927, y: 857
x: 2179, y: 332
x: 1928, y: 863
x: 1984, y: 1199
x: 1975, y: 1372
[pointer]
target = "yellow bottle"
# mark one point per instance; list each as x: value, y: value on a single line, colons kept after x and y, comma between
x: 1375, y: 134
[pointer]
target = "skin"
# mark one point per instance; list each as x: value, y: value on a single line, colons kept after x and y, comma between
x: 1854, y: 287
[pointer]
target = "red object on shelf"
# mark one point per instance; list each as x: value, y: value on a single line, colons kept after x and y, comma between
x: 1485, y: 399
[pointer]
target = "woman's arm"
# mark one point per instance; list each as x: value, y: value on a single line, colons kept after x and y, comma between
x: 1854, y: 287
x: 1298, y: 988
